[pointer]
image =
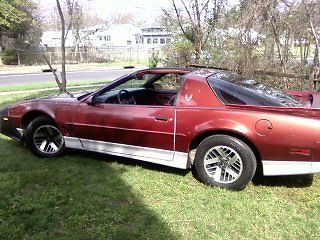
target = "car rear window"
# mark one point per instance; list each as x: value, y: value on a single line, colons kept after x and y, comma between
x: 235, y: 89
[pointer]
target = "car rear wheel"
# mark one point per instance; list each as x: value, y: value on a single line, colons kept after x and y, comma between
x: 44, y: 138
x: 225, y: 162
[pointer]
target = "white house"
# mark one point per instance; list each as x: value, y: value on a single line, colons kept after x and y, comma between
x: 53, y: 39
x: 120, y: 35
x: 155, y: 36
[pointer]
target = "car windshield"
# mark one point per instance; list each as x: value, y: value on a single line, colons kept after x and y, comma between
x: 235, y: 89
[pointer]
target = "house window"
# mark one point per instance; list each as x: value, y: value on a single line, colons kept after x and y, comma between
x: 149, y: 40
x: 100, y: 38
x: 155, y: 41
x: 128, y: 42
x: 162, y: 41
x: 168, y: 40
x: 108, y: 38
x: 105, y: 38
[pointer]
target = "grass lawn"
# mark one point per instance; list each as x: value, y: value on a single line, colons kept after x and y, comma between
x: 91, y: 196
x: 69, y: 67
x: 51, y: 85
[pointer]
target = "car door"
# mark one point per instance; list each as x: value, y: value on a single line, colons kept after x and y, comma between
x: 143, y: 130
x: 126, y: 130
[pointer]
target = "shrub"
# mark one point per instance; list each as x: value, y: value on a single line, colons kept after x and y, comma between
x: 179, y: 53
x: 154, y: 60
x: 10, y: 57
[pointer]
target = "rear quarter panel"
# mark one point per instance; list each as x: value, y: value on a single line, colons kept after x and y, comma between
x: 277, y: 133
x: 288, y: 135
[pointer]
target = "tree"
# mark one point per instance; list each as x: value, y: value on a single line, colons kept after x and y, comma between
x: 77, y: 25
x: 196, y: 20
x: 16, y: 18
x: 64, y: 33
x: 241, y: 36
x: 121, y: 18
x: 311, y: 13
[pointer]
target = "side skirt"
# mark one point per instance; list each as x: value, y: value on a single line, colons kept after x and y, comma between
x: 277, y: 168
x: 159, y: 156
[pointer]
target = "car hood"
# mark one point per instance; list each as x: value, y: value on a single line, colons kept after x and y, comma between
x: 58, y: 98
x: 65, y: 95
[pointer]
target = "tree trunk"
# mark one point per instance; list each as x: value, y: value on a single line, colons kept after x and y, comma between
x: 197, y: 49
x: 315, y: 68
x: 63, y: 49
x: 269, y: 47
x: 1, y: 48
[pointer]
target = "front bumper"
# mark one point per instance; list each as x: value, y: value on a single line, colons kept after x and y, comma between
x: 7, y: 126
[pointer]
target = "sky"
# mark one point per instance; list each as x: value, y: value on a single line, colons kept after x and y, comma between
x: 142, y: 9
x: 145, y: 10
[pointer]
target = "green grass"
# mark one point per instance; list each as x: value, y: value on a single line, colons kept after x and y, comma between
x: 91, y: 196
x: 70, y: 67
x: 50, y: 85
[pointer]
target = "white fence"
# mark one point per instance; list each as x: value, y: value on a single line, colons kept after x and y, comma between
x: 88, y: 55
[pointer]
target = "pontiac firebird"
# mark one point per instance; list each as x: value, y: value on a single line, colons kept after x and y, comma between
x: 223, y: 125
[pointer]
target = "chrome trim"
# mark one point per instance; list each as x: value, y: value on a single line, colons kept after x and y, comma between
x: 71, y: 142
x: 20, y: 131
x: 277, y: 168
x: 159, y: 156
x: 315, y: 167
x: 127, y: 149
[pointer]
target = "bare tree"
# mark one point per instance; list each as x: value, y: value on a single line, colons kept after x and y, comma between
x: 281, y: 24
x: 62, y: 84
x: 196, y: 20
x: 63, y: 49
x: 315, y: 67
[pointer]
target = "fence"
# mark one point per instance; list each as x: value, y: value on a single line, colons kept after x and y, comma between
x: 87, y: 55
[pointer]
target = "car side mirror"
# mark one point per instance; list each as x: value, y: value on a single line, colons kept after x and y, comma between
x: 92, y: 101
x: 157, y: 86
x: 139, y: 76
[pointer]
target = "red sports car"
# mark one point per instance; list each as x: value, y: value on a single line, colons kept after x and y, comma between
x: 224, y: 125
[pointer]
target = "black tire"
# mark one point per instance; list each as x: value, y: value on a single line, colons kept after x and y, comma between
x: 235, y: 176
x: 53, y: 147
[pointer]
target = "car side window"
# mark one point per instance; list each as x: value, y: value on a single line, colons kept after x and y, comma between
x: 169, y: 81
x: 135, y: 82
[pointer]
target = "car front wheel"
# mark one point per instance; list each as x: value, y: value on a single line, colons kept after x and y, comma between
x: 44, y: 138
x: 225, y: 162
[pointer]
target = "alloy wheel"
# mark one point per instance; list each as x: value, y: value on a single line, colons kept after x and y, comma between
x: 48, y: 139
x: 223, y: 164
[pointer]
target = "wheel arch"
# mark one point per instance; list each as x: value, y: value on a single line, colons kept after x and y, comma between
x: 30, y: 116
x: 199, y: 138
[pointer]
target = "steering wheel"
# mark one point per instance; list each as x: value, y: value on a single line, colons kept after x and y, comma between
x: 125, y: 97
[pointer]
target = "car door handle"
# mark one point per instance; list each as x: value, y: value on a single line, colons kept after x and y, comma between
x: 161, y: 119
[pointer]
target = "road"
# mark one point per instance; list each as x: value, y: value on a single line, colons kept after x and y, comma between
x: 40, y: 78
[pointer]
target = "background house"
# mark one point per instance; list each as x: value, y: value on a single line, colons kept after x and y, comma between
x: 110, y: 43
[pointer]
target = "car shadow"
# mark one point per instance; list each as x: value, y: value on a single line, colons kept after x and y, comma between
x: 74, y: 198
x: 299, y: 181
x: 292, y: 181
x: 131, y: 162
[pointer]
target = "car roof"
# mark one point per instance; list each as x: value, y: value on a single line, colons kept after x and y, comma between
x: 200, y: 72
